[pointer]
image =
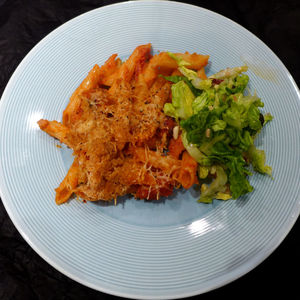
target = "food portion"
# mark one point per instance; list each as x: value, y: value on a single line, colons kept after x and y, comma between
x: 219, y: 122
x: 154, y: 123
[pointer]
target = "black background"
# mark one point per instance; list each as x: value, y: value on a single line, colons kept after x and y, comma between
x: 23, y: 23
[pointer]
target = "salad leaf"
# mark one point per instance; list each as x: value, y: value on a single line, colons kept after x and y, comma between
x: 235, y: 167
x: 244, y: 112
x: 182, y: 98
x: 207, y: 146
x: 195, y: 126
x: 254, y: 118
x: 267, y: 118
x: 223, y: 196
x: 258, y: 160
x: 197, y: 82
x: 203, y: 171
x: 177, y: 78
x: 219, y: 124
x: 194, y: 152
x: 218, y: 185
x: 239, y: 139
x: 239, y: 185
x: 237, y: 84
x: 205, y: 99
x: 236, y: 116
x: 250, y: 99
x: 170, y: 110
x: 228, y: 72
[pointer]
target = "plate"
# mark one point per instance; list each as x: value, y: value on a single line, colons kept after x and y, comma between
x: 175, y: 247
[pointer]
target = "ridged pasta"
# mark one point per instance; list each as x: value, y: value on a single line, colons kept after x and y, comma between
x: 122, y: 141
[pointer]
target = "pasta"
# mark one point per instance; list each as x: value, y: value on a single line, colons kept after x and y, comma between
x: 187, y: 176
x: 176, y: 147
x: 121, y: 139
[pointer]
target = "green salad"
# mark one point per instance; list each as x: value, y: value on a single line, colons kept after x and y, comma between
x: 219, y: 120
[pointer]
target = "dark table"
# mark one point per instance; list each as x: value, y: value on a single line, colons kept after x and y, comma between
x: 23, y: 23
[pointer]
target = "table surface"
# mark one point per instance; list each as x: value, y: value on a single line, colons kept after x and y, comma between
x: 25, y: 275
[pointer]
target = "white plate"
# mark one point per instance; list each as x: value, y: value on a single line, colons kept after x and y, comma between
x: 173, y: 248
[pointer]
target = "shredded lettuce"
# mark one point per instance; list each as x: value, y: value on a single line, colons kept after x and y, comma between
x: 267, y: 118
x: 258, y: 160
x: 235, y: 164
x: 228, y: 72
x: 217, y: 185
x: 194, y: 152
x: 219, y: 123
x: 197, y: 82
x: 182, y: 99
x: 204, y: 100
x: 177, y: 78
x: 203, y: 171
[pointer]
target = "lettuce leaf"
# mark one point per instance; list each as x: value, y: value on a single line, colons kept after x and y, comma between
x: 267, y: 118
x: 177, y: 78
x: 217, y: 185
x: 235, y: 167
x: 238, y: 84
x: 191, y: 75
x: 194, y: 152
x: 219, y: 125
x: 258, y: 159
x: 239, y: 184
x: 244, y: 113
x: 182, y: 99
x: 195, y: 126
x: 229, y: 72
x: 205, y: 99
x: 197, y: 82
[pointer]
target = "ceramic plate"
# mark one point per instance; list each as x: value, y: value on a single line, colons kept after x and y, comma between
x: 175, y: 247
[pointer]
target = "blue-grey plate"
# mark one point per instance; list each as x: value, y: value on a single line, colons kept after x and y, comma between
x: 175, y: 247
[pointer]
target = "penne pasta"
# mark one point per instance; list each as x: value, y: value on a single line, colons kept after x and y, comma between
x: 176, y: 147
x: 201, y: 73
x: 122, y: 140
x: 68, y: 185
x: 188, y: 171
x: 56, y: 130
x: 90, y: 82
